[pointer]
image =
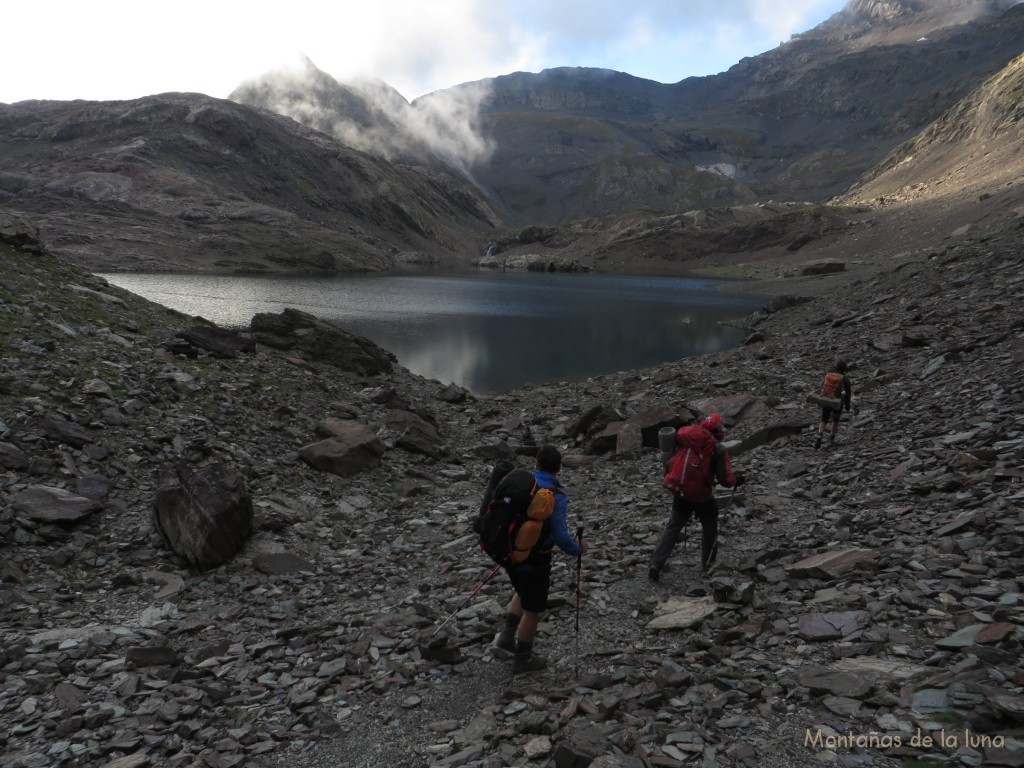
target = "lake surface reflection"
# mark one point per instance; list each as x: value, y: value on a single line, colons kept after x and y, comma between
x: 486, y: 331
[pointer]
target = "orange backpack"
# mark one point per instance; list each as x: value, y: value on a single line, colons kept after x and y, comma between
x: 833, y: 385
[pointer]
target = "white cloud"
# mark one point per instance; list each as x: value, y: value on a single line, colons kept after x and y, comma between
x: 119, y: 49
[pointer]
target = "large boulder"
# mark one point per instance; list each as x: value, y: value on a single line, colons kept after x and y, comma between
x: 786, y: 428
x: 347, y: 449
x: 219, y: 342
x: 594, y: 420
x: 416, y: 434
x: 320, y: 340
x: 735, y: 408
x: 204, y: 515
x: 638, y: 430
x: 69, y: 432
x: 19, y: 232
x: 12, y: 457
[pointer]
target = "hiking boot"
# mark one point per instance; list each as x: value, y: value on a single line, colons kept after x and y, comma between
x: 504, y: 646
x: 817, y: 443
x: 653, y: 573
x: 528, y: 663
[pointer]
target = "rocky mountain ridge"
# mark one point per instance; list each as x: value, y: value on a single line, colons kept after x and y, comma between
x: 187, y: 182
x: 799, y: 122
x: 181, y: 181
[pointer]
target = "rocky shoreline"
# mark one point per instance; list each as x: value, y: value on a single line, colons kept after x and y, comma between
x: 865, y: 595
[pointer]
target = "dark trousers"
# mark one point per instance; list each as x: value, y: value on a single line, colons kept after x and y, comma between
x: 682, y: 511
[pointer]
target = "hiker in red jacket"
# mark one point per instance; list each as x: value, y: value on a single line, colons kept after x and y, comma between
x: 837, y: 384
x: 699, y: 461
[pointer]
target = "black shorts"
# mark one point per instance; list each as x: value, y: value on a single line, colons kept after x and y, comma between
x: 532, y: 581
x: 830, y: 414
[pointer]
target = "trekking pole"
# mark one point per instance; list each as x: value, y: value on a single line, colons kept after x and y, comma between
x: 714, y: 546
x: 579, y: 571
x: 468, y: 599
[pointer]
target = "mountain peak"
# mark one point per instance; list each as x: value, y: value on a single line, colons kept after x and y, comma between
x: 958, y: 11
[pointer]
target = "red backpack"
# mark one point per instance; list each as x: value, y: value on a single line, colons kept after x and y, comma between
x: 690, y: 471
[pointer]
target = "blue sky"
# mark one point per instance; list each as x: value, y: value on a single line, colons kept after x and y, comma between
x: 115, y: 49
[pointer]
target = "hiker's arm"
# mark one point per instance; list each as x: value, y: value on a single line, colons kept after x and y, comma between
x: 847, y: 392
x: 560, y: 527
x: 723, y: 467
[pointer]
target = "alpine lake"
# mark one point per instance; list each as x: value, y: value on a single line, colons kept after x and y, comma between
x: 487, y: 331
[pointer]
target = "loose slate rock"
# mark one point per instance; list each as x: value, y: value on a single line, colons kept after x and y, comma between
x: 831, y: 626
x: 832, y: 563
x: 54, y: 505
x: 69, y: 432
x: 831, y: 681
x: 279, y: 563
x: 682, y: 612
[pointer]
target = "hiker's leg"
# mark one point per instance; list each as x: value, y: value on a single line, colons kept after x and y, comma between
x: 534, y: 594
x: 532, y: 586
x: 680, y: 516
x: 515, y: 605
x: 708, y: 516
x: 528, y: 626
x: 821, y: 426
x: 504, y: 644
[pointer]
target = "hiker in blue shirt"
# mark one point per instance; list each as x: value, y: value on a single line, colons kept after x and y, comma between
x: 531, y: 579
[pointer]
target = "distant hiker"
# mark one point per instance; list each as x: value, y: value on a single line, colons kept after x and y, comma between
x: 836, y: 386
x: 531, y: 578
x: 699, y: 461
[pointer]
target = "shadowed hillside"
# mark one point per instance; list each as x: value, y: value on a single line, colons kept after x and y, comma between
x: 183, y: 181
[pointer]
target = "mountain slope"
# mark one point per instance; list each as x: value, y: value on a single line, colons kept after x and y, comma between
x: 972, y: 155
x: 184, y: 181
x: 800, y: 122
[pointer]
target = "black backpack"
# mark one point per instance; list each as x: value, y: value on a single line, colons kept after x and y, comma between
x: 514, y: 519
x: 502, y: 468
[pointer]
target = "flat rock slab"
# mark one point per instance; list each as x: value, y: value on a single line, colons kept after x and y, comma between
x: 962, y: 638
x: 53, y: 505
x: 279, y: 563
x: 1009, y: 705
x: 831, y: 626
x: 959, y: 523
x: 881, y: 669
x: 829, y: 680
x: 833, y: 563
x: 70, y: 432
x: 682, y: 612
x: 977, y: 634
x: 169, y: 583
x: 993, y: 633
